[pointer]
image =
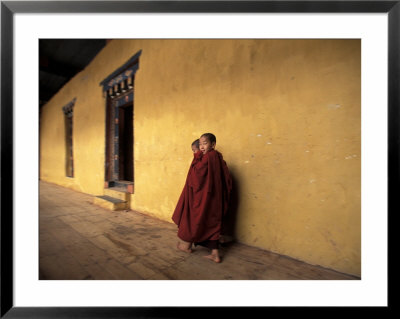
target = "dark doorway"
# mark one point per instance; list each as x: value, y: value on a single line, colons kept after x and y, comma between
x: 125, y: 152
x: 119, y: 142
x: 119, y: 158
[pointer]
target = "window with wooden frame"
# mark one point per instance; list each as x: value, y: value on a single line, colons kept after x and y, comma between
x: 69, y: 151
x: 118, y: 91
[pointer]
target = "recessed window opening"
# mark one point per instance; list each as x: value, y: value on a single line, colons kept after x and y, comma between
x: 69, y: 151
x: 118, y: 90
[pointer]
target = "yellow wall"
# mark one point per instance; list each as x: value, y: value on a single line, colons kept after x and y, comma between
x: 287, y: 117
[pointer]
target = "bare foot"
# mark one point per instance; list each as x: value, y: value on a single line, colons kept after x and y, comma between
x: 214, y: 258
x: 185, y: 249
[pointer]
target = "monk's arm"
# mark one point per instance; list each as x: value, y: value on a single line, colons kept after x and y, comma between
x: 198, y: 174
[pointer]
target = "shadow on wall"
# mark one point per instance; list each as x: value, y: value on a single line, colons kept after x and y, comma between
x: 228, y: 234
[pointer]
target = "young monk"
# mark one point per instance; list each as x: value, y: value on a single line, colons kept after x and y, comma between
x: 195, y: 146
x: 183, y: 203
x: 204, y: 200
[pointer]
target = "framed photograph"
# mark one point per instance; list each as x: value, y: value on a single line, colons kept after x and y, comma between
x: 369, y: 30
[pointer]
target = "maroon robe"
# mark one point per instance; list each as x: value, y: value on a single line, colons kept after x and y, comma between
x: 204, y: 199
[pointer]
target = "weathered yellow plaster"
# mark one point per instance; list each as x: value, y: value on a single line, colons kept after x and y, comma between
x: 287, y: 117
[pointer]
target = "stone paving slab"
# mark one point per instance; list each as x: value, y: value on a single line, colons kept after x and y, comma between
x: 81, y: 241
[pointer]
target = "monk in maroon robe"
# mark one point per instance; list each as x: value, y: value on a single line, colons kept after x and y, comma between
x: 204, y: 199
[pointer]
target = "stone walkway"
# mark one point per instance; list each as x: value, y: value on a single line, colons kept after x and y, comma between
x: 79, y: 240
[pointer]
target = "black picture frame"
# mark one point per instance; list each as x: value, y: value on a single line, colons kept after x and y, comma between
x: 9, y: 8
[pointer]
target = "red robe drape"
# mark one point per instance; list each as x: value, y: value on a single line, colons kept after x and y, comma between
x: 204, y: 199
